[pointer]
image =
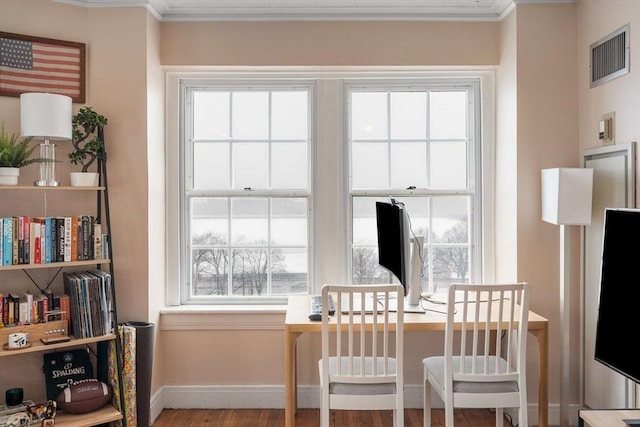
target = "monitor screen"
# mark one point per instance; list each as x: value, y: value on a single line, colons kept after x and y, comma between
x: 618, y: 324
x: 394, y: 240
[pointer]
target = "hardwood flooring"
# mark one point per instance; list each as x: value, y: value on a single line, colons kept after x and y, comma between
x: 311, y: 418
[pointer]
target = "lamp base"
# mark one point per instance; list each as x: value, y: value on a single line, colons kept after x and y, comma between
x: 42, y: 183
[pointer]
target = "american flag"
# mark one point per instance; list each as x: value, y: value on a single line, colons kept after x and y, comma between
x: 33, y: 66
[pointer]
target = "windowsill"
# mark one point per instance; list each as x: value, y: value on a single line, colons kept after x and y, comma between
x: 223, y: 318
x: 224, y: 308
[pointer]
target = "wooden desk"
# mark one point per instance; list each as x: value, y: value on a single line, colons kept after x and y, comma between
x: 607, y: 417
x: 297, y: 323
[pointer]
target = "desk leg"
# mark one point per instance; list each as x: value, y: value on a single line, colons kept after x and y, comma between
x: 290, y: 378
x: 543, y: 375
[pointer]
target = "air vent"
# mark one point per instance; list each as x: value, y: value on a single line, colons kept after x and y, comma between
x: 610, y: 57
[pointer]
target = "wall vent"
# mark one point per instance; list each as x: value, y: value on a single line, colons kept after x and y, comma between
x: 610, y: 57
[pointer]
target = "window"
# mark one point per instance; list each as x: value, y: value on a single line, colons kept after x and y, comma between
x: 273, y: 179
x: 246, y: 190
x: 415, y: 144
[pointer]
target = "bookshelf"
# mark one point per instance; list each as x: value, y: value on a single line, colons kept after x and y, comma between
x: 36, y: 331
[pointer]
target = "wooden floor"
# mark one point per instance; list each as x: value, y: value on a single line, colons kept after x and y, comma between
x: 311, y: 418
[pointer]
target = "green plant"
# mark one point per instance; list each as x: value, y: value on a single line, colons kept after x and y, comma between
x: 87, y: 138
x: 15, y: 153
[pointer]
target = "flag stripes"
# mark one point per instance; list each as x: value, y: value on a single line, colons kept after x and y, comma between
x: 38, y: 66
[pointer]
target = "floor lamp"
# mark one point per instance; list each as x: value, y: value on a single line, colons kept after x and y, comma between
x: 47, y: 116
x: 566, y: 200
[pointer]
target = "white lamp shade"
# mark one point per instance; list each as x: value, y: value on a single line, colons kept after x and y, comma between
x: 45, y: 115
x: 566, y: 195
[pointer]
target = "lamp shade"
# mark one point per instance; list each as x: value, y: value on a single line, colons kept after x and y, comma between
x: 45, y: 115
x: 566, y: 195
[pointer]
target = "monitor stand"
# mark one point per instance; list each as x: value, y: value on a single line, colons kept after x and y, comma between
x: 632, y: 422
x: 412, y: 300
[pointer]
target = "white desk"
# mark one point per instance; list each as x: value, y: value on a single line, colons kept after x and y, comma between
x: 297, y: 323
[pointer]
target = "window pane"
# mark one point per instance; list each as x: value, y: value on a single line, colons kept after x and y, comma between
x: 209, y: 221
x: 448, y: 163
x: 408, y: 115
x: 210, y: 165
x: 364, y: 221
x: 408, y: 164
x: 250, y: 115
x: 249, y: 222
x: 369, y: 115
x: 451, y: 219
x: 451, y: 265
x: 250, y: 165
x: 370, y: 165
x: 289, y: 222
x: 289, y: 272
x: 249, y: 272
x: 289, y: 165
x: 289, y: 115
x: 211, y: 115
x: 210, y: 271
x: 448, y: 115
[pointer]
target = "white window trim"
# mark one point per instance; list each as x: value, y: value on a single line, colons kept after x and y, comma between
x: 334, y: 267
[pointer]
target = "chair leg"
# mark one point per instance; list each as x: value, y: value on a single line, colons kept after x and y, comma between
x: 426, y: 404
x: 448, y: 414
x: 499, y: 417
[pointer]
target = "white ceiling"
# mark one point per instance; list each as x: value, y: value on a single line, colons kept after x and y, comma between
x: 264, y: 10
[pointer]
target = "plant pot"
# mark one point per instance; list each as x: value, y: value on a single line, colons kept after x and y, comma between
x: 84, y: 179
x: 9, y: 176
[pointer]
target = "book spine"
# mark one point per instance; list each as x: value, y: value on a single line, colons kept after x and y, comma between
x: 47, y: 237
x: 28, y: 300
x: 60, y: 244
x: 67, y: 239
x: 85, y: 236
x: 7, y: 237
x: 74, y: 238
x: 15, y: 240
x: 97, y: 241
x: 20, y: 231
x: 1, y: 241
x: 27, y: 240
x: 1, y: 307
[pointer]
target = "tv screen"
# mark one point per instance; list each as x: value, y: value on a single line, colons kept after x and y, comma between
x: 393, y: 240
x: 618, y: 324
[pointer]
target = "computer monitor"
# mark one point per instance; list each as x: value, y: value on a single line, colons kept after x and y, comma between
x: 618, y: 322
x: 397, y: 251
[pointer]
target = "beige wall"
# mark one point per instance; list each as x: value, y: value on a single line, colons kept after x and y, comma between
x: 540, y: 77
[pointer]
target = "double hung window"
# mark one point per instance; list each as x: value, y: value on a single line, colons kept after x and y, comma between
x: 417, y: 145
x: 246, y: 190
x: 278, y: 179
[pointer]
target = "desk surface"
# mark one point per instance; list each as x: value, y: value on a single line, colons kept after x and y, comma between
x: 608, y: 417
x: 297, y: 322
x: 298, y: 309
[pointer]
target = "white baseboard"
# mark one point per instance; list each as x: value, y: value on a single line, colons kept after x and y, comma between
x: 253, y: 397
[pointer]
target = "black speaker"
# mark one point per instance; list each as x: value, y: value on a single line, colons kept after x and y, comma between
x: 14, y: 396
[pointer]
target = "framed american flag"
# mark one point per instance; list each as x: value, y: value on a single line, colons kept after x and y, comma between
x: 37, y: 64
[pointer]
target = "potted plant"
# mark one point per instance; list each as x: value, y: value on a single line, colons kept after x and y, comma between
x: 14, y: 154
x: 88, y: 143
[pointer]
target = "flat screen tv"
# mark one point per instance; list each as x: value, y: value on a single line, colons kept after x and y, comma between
x: 618, y: 324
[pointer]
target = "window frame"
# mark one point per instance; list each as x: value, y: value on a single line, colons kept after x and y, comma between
x: 329, y: 256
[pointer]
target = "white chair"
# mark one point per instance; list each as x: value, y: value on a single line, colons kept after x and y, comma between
x: 361, y: 365
x: 481, y: 368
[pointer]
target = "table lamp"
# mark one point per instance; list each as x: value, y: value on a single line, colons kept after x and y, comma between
x: 47, y: 116
x: 566, y: 200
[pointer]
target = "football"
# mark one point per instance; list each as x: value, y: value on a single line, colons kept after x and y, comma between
x: 84, y: 396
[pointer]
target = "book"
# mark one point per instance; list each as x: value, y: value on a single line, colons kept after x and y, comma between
x: 61, y: 239
x: 74, y: 238
x: 27, y: 240
x: 7, y: 238
x: 48, y: 236
x: 67, y: 239
x: 14, y: 230
x: 97, y: 241
x: 1, y: 241
x: 28, y: 315
x: 20, y: 235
